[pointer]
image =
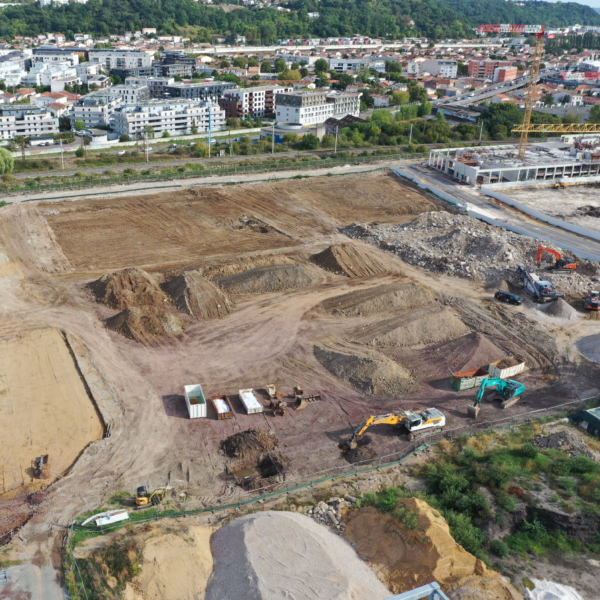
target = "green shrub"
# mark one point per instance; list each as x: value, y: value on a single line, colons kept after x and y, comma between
x: 500, y: 548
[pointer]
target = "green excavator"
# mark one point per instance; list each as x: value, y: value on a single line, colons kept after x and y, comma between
x: 507, y: 390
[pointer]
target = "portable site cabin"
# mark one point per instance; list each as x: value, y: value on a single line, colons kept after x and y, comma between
x: 588, y: 420
x: 195, y: 401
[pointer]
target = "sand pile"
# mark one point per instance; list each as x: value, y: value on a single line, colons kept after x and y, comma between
x: 128, y: 287
x: 147, y: 324
x: 560, y: 309
x: 197, y: 296
x: 274, y: 555
x: 370, y: 372
x: 350, y: 260
x: 472, y: 351
x: 405, y: 559
x: 382, y: 298
x: 417, y: 328
x: 267, y: 278
x: 173, y: 567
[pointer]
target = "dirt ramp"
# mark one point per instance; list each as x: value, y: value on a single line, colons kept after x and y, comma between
x: 405, y: 559
x: 382, y: 298
x: 268, y: 278
x: 147, y: 325
x: 350, y: 260
x: 128, y: 287
x: 369, y: 371
x: 197, y: 296
x: 276, y: 554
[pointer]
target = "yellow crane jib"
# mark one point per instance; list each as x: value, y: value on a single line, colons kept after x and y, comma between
x: 559, y: 128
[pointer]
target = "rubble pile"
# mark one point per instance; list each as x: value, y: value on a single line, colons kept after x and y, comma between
x: 331, y: 513
x: 463, y: 246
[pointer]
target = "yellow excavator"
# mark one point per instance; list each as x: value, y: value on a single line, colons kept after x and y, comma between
x: 144, y: 498
x: 413, y: 422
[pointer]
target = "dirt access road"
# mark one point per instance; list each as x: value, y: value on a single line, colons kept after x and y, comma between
x: 357, y: 326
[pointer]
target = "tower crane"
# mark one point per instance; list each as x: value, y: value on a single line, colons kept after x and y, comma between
x: 534, y: 72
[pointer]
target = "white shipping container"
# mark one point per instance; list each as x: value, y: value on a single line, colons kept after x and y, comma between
x: 112, y: 517
x: 195, y: 401
x: 250, y: 401
x: 514, y: 366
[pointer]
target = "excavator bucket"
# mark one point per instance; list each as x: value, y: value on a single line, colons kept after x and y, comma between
x: 510, y: 402
x: 301, y: 403
x: 473, y: 411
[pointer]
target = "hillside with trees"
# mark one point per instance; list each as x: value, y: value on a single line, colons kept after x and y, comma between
x: 376, y: 18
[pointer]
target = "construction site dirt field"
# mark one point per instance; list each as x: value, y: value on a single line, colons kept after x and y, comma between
x: 242, y: 286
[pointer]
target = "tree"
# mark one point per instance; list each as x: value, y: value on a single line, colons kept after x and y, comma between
x: 290, y: 75
x: 80, y: 152
x: 548, y: 100
x: 253, y: 61
x: 393, y: 67
x: 399, y: 97
x: 165, y: 134
x: 308, y: 142
x: 280, y: 65
x: 594, y: 114
x: 322, y: 81
x: 321, y: 65
x: 124, y: 138
x: 64, y: 124
x: 266, y: 67
x: 79, y: 124
x: 343, y: 81
x: 240, y: 62
x: 7, y: 162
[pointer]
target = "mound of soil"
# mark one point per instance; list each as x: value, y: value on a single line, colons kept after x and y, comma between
x: 267, y: 278
x: 349, y: 260
x: 560, y: 309
x: 382, y: 298
x: 147, y: 325
x: 418, y: 328
x: 404, y: 559
x: 248, y: 443
x: 371, y: 373
x: 566, y: 441
x: 126, y: 288
x: 277, y: 554
x: 197, y: 296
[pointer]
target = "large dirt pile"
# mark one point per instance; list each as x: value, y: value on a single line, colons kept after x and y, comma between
x: 350, y: 260
x: 369, y: 371
x: 147, y: 325
x: 273, y: 555
x: 405, y: 559
x: 416, y: 328
x: 128, y: 287
x: 267, y: 278
x: 197, y: 296
x: 247, y: 443
x: 560, y: 309
x: 173, y: 567
x: 463, y: 246
x: 382, y: 298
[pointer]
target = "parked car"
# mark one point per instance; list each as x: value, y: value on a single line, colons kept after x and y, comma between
x: 507, y: 297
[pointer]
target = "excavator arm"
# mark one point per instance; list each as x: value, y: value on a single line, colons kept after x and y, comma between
x: 508, y: 389
x: 561, y: 263
x: 387, y: 419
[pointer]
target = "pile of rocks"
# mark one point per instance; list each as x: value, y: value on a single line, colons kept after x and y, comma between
x: 565, y: 441
x: 463, y: 246
x: 330, y: 513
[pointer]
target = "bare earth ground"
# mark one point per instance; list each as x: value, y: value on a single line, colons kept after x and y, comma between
x: 54, y: 249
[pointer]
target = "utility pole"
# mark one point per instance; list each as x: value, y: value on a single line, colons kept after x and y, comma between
x: 230, y: 145
x: 480, y: 131
x: 209, y: 129
x: 62, y: 154
x: 336, y: 136
x: 410, y: 135
x: 273, y: 138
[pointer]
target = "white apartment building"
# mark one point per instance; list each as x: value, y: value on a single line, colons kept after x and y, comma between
x: 355, y: 65
x: 120, y: 59
x: 12, y: 73
x: 95, y: 109
x: 52, y: 54
x: 177, y: 117
x: 26, y: 120
x: 312, y: 108
x: 86, y: 70
x: 129, y: 93
x: 439, y: 68
x: 46, y: 73
x: 156, y: 85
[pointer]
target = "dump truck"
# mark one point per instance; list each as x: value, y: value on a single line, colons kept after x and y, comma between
x: 413, y: 423
x: 507, y: 390
x: 539, y: 289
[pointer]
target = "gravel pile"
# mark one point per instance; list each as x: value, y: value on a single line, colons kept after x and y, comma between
x: 330, y: 513
x: 465, y: 247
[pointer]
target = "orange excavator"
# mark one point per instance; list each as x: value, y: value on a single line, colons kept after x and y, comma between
x: 561, y: 264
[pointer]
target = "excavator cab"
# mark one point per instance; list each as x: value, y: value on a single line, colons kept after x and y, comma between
x: 563, y: 263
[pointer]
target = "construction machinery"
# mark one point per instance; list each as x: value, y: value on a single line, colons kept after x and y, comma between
x: 413, y: 422
x: 302, y: 400
x: 508, y: 391
x: 40, y: 466
x: 144, y: 498
x: 277, y: 403
x: 540, y: 290
x: 592, y: 302
x: 562, y: 263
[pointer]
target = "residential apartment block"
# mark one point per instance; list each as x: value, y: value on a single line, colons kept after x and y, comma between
x: 439, y: 67
x: 96, y: 108
x: 177, y: 117
x: 354, y: 65
x: 251, y: 101
x: 26, y: 120
x: 486, y: 68
x: 120, y: 59
x: 52, y: 54
x: 156, y: 85
x: 313, y: 108
x: 205, y: 90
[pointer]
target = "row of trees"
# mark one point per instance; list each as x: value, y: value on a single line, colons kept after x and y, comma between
x: 384, y: 18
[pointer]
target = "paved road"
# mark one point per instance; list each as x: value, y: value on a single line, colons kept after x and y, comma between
x: 487, y: 209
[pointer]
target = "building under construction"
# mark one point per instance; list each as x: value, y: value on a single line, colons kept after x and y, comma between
x: 569, y: 160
